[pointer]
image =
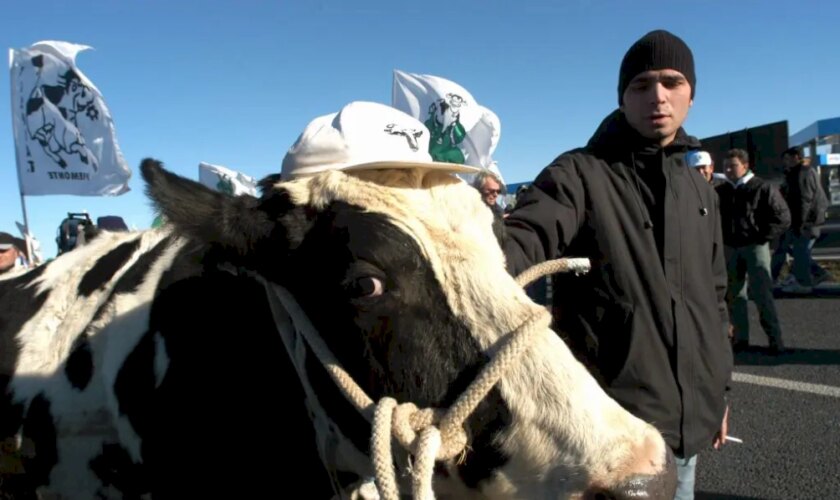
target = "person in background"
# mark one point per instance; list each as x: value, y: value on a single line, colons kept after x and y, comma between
x: 650, y: 319
x: 753, y: 213
x: 490, y: 186
x: 702, y: 161
x: 808, y: 202
x: 11, y: 254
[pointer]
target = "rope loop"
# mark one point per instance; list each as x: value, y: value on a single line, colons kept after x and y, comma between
x: 428, y: 434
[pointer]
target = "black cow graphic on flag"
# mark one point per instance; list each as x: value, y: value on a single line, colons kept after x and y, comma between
x: 52, y: 113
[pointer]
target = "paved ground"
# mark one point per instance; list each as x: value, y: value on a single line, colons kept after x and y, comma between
x: 787, y: 411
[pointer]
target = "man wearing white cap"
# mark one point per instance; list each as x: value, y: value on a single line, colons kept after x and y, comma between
x: 702, y: 161
x: 11, y: 249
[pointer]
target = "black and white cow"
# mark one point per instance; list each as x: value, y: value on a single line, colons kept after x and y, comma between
x: 148, y: 364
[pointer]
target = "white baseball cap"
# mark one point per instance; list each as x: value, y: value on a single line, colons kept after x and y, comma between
x: 362, y: 136
x: 698, y: 159
x: 8, y: 241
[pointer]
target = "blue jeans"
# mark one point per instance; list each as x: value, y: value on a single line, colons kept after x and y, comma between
x: 800, y: 248
x: 686, y: 467
x: 751, y: 262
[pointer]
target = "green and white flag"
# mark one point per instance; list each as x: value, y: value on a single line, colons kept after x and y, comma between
x: 462, y: 131
x: 226, y: 180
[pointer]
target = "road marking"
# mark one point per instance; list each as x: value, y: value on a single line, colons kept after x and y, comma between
x: 780, y: 383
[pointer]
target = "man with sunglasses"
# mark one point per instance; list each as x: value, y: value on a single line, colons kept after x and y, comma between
x: 490, y: 187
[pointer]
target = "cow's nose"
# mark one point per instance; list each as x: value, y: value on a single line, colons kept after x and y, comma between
x: 661, y: 485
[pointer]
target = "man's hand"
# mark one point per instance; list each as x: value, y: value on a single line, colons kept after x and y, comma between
x: 720, y: 436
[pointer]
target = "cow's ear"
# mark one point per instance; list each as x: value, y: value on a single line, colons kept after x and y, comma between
x: 237, y: 223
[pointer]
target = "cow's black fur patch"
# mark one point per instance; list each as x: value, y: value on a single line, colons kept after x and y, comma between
x: 39, y: 451
x: 114, y: 467
x: 135, y: 384
x: 106, y: 267
x: 133, y: 278
x: 230, y: 401
x: 19, y: 304
x: 79, y: 366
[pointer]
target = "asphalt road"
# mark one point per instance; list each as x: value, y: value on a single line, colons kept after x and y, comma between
x: 787, y: 411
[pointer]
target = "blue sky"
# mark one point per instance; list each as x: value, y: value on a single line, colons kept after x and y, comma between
x: 234, y: 83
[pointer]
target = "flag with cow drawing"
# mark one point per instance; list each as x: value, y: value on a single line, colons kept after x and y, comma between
x: 64, y: 135
x: 462, y: 130
x: 226, y: 180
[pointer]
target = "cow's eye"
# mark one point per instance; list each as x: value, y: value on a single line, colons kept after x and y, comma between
x: 366, y: 286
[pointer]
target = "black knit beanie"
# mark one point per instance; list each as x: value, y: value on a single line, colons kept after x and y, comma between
x: 657, y: 50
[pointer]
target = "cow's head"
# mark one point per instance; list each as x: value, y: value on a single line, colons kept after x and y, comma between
x: 402, y: 276
x: 78, y: 93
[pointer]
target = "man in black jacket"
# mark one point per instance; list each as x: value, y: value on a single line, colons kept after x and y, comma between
x: 808, y: 203
x: 753, y: 214
x: 650, y: 319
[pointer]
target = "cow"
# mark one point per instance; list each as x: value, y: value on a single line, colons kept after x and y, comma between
x: 152, y: 364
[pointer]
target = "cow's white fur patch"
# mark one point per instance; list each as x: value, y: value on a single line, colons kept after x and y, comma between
x: 565, y: 427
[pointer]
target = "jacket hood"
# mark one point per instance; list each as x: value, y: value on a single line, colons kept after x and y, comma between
x: 615, y: 136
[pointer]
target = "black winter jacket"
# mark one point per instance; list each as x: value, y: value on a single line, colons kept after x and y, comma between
x: 649, y: 320
x: 806, y: 199
x: 753, y: 213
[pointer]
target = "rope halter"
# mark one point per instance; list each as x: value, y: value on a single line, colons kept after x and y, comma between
x: 429, y: 434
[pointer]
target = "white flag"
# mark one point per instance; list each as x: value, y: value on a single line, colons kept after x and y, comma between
x: 226, y: 180
x: 64, y: 135
x: 34, y: 244
x: 462, y: 131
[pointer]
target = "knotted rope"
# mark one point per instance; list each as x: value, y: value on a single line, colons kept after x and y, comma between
x: 428, y: 434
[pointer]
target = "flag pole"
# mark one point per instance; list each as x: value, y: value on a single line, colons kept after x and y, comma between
x: 26, y: 237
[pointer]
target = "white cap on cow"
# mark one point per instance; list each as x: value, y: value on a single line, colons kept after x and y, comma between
x: 362, y: 136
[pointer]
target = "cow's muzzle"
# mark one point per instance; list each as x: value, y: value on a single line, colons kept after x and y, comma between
x: 658, y: 486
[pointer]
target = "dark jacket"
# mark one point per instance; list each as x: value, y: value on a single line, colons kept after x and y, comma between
x: 806, y: 199
x: 753, y: 213
x: 649, y: 320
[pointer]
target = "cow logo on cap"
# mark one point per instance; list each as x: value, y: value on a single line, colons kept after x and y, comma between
x: 410, y: 134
